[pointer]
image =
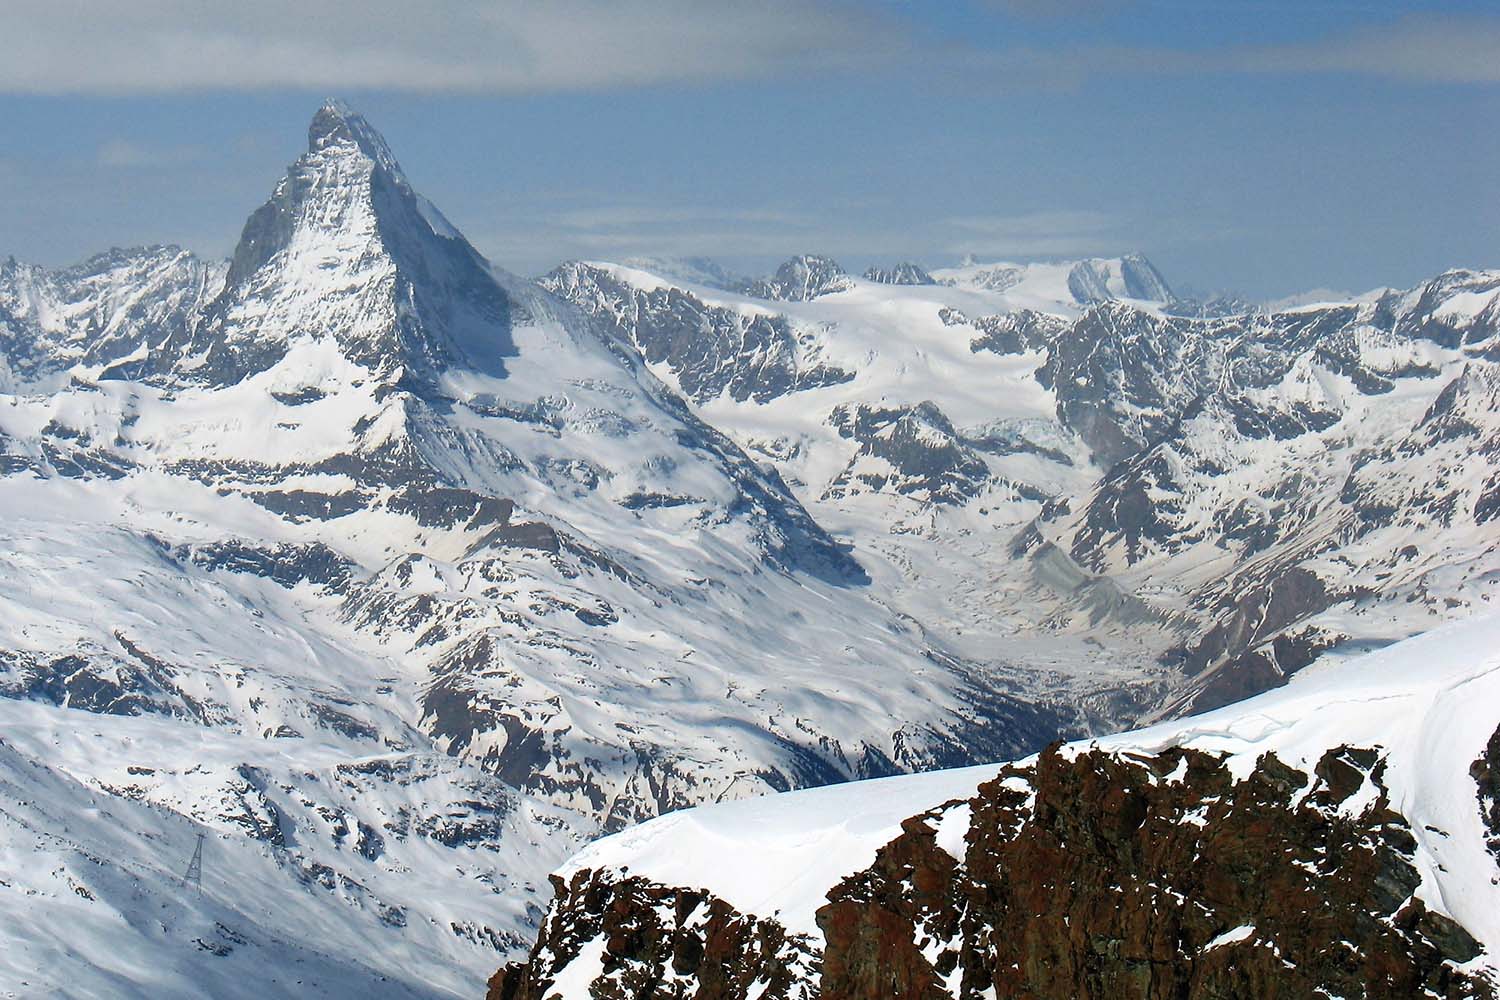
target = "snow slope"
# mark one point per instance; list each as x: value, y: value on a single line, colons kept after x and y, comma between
x: 99, y: 821
x: 1429, y: 704
x: 399, y: 577
x: 1098, y: 486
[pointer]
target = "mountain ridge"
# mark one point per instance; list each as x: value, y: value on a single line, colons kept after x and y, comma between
x: 437, y: 573
x: 1330, y: 837
x: 421, y: 619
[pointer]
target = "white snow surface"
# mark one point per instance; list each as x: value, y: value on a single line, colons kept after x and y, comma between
x: 661, y: 644
x: 346, y: 747
x: 1429, y: 703
x: 1088, y: 615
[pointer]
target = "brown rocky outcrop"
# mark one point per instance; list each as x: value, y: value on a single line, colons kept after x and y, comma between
x: 1083, y: 875
x: 1486, y: 773
x: 655, y: 941
x: 1154, y: 878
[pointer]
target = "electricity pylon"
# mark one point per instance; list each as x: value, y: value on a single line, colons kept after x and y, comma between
x: 194, y: 876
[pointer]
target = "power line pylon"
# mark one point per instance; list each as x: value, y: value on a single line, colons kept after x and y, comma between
x: 194, y: 876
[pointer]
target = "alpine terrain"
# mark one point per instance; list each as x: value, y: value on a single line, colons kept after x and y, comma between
x: 1336, y: 838
x: 393, y: 579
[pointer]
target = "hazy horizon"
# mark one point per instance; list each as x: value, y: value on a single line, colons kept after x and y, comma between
x: 1263, y: 149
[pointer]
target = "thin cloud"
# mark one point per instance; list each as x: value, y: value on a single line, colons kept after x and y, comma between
x: 129, y: 154
x: 154, y: 46
x: 611, y: 229
x: 669, y: 216
x: 1034, y: 234
x: 517, y: 46
x: 1057, y: 8
x: 1418, y: 49
x: 536, y: 239
x: 1440, y: 50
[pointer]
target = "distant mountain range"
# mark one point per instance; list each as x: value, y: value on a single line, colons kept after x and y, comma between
x: 402, y: 577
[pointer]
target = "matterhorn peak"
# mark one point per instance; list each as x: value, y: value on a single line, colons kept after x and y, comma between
x: 346, y: 249
x: 336, y: 125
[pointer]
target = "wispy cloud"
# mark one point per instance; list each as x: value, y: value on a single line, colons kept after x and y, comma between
x: 145, y: 46
x: 131, y: 154
x: 538, y: 237
x: 1057, y: 8
x: 1442, y: 49
x: 525, y: 46
x: 1418, y: 48
x: 643, y: 217
x: 1034, y: 234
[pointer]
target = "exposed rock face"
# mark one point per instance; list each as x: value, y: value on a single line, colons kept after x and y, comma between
x: 647, y: 940
x: 1122, y: 377
x: 802, y: 279
x: 1253, y: 646
x: 1082, y: 875
x: 1458, y: 442
x: 1486, y: 772
x: 1019, y: 332
x: 404, y: 293
x: 1187, y: 459
x: 912, y: 451
x: 104, y: 312
x: 1269, y: 444
x: 1125, y: 378
x: 1428, y: 319
x: 904, y: 273
x: 1163, y: 877
x: 1091, y: 280
x: 711, y: 350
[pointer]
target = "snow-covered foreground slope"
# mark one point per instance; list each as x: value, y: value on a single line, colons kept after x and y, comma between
x: 1405, y: 739
x: 98, y: 823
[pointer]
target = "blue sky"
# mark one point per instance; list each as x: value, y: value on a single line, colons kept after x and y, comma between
x: 1259, y: 146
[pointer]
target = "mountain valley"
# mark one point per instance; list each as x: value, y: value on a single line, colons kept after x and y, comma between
x: 401, y: 578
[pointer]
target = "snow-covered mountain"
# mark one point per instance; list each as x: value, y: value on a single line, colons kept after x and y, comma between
x: 397, y: 576
x: 904, y: 273
x: 1064, y: 285
x: 1113, y: 485
x: 99, y: 313
x: 1338, y: 837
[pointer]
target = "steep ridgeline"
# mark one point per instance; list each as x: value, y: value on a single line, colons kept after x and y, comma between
x: 904, y: 273
x: 801, y: 279
x: 404, y: 574
x: 1329, y: 839
x: 1155, y: 508
x: 103, y: 313
x: 712, y: 350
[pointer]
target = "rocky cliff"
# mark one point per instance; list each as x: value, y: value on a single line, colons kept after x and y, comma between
x: 1258, y: 854
x: 1093, y: 875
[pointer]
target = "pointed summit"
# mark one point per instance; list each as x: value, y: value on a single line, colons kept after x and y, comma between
x: 346, y: 250
x: 801, y: 279
x: 338, y: 126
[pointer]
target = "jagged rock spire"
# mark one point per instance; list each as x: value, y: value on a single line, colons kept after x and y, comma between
x: 346, y: 249
x: 337, y: 125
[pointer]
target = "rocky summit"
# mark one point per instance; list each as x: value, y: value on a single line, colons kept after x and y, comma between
x: 1327, y: 840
